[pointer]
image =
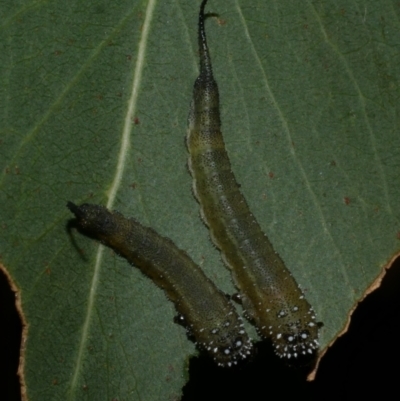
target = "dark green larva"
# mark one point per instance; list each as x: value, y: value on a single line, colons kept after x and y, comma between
x: 270, y: 294
x: 203, y: 309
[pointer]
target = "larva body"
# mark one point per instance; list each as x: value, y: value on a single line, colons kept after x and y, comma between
x: 203, y: 309
x: 270, y: 295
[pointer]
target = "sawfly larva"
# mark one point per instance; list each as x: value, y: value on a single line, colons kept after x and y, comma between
x: 270, y: 295
x: 209, y: 318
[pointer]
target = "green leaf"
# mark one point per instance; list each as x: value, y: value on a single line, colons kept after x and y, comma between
x: 95, y: 97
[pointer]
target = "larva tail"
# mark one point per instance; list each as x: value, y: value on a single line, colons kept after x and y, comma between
x: 74, y: 209
x: 205, y: 61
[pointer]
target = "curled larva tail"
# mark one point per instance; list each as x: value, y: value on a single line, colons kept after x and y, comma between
x: 270, y: 294
x: 204, y: 310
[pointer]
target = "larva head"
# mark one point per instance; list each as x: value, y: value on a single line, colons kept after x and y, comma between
x: 296, y: 335
x: 226, y: 342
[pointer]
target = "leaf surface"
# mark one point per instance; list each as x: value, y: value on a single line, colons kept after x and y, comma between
x: 94, y: 104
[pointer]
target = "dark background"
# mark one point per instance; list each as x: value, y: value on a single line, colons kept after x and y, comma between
x: 362, y: 362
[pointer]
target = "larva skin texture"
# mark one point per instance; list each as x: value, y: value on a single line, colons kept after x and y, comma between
x: 270, y: 295
x: 203, y: 309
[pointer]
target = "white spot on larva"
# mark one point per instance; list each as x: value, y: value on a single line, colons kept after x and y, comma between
x: 301, y: 297
x: 295, y: 309
x: 227, y: 324
x: 279, y: 335
x: 214, y: 331
x: 215, y: 349
x: 295, y: 354
x: 304, y: 335
x: 311, y: 324
x: 309, y: 351
x: 227, y: 351
x: 241, y: 332
x: 270, y: 327
x: 238, y: 343
x: 290, y: 338
x: 201, y: 330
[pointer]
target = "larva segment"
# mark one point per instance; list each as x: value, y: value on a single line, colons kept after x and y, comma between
x: 203, y: 309
x: 270, y: 295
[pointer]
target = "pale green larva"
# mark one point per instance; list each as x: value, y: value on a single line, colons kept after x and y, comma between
x: 270, y: 294
x: 203, y: 309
